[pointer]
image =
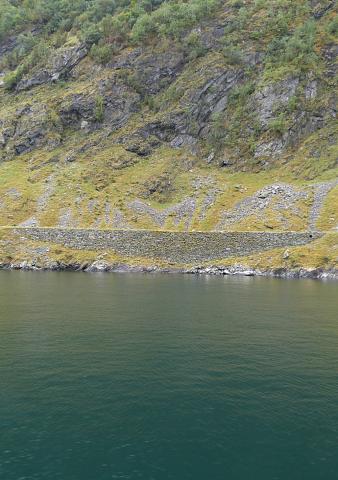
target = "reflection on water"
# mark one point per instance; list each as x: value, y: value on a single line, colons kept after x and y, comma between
x: 167, y: 377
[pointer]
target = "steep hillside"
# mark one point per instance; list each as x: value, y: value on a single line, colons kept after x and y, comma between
x: 197, y: 115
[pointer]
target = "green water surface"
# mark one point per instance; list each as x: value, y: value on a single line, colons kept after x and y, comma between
x: 120, y: 376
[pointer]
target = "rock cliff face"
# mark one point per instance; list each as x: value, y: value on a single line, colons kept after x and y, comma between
x: 221, y: 121
x: 59, y: 66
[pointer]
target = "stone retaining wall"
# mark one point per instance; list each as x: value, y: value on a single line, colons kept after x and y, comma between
x: 178, y: 247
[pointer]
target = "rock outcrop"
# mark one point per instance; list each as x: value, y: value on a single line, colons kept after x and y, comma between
x: 58, y: 67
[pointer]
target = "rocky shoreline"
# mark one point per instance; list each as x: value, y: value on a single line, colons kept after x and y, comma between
x: 233, y: 270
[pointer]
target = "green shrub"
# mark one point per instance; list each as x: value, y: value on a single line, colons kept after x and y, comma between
x: 278, y: 125
x: 296, y: 50
x: 293, y: 103
x: 171, y: 19
x: 102, y: 53
x: 91, y: 34
x: 232, y: 55
x: 11, y: 15
x: 99, y: 108
x: 193, y: 46
x: 241, y: 93
x: 332, y: 27
x: 217, y: 133
x: 13, y: 78
x: 39, y: 53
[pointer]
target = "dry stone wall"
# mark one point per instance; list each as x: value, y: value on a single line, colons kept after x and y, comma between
x: 178, y: 247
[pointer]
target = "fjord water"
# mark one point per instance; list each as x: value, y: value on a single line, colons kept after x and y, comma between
x: 167, y: 377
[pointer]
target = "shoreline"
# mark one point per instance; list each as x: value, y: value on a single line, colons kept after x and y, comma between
x: 310, y: 254
x: 234, y: 270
